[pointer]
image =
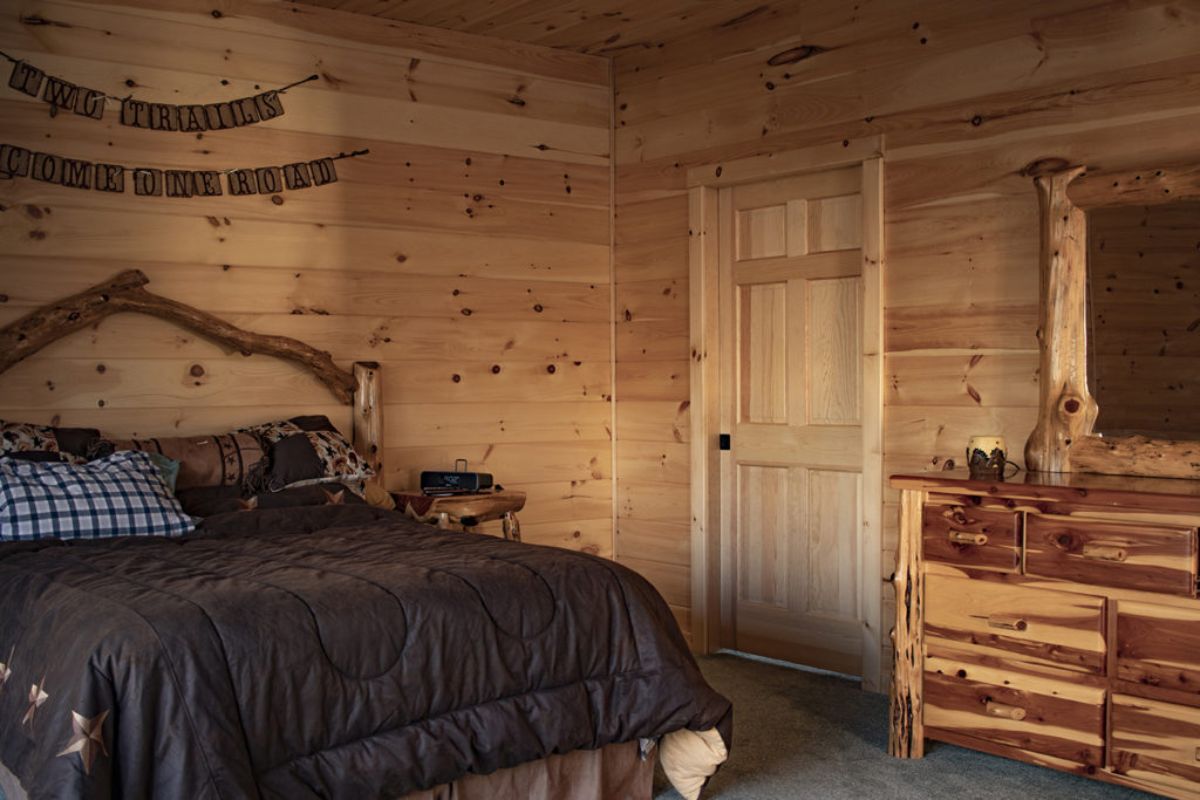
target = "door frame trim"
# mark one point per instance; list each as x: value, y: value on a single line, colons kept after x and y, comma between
x: 711, y: 468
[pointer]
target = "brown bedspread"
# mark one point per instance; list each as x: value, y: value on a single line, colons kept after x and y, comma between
x: 332, y: 652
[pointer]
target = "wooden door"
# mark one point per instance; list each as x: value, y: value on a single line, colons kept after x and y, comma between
x: 791, y: 317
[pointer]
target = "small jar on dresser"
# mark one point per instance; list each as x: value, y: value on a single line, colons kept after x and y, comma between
x: 1053, y: 620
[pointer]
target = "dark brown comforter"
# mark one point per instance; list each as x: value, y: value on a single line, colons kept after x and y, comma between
x: 323, y: 652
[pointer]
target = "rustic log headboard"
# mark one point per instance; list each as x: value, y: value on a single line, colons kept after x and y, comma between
x: 126, y: 292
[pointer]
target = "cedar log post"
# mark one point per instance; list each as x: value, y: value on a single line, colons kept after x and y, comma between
x: 125, y: 292
x: 368, y: 417
x: 906, y: 733
x: 1067, y: 410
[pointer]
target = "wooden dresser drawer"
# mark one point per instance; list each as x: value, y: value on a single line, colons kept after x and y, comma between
x: 1158, y: 743
x: 1033, y: 625
x: 1148, y: 558
x: 1061, y: 719
x: 1159, y: 646
x: 969, y: 536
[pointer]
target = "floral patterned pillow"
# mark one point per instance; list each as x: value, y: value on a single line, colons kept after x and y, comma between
x: 45, y: 443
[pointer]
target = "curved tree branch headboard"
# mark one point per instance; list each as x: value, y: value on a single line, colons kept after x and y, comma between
x: 126, y: 292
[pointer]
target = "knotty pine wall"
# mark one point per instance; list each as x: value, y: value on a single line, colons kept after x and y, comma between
x: 966, y: 95
x: 469, y: 253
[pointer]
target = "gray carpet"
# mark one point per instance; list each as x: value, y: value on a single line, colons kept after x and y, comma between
x: 800, y: 735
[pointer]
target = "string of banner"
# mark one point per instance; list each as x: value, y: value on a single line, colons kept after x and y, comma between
x: 191, y: 118
x: 75, y: 173
x: 20, y: 162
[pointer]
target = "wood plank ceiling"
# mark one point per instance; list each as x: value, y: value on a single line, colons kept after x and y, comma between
x: 599, y: 27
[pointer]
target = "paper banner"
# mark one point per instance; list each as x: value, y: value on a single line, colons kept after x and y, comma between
x: 20, y: 162
x: 60, y: 94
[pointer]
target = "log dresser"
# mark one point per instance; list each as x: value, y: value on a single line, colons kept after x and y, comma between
x: 1053, y: 619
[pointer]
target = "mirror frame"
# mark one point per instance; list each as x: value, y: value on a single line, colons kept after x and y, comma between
x: 1064, y: 439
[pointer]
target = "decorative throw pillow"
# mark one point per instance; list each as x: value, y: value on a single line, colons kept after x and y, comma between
x: 46, y: 443
x: 168, y: 468
x: 217, y: 460
x: 120, y: 495
x: 315, y: 457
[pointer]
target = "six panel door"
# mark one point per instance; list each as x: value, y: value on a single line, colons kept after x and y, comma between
x: 791, y: 318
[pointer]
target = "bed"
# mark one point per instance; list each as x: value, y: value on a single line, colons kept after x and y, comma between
x: 335, y: 651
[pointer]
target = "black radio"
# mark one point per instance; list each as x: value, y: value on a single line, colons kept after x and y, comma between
x: 458, y: 482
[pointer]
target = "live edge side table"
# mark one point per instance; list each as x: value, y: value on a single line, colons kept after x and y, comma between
x: 467, y: 511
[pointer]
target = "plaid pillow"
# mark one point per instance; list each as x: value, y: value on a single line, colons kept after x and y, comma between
x: 120, y: 495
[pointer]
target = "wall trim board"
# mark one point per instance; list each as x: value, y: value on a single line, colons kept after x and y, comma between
x: 712, y: 469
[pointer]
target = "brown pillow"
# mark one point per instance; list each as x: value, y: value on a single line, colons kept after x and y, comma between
x: 315, y: 457
x: 216, y: 460
x: 210, y: 500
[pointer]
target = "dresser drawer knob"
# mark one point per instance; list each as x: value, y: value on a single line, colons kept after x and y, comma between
x: 1005, y: 711
x: 1104, y: 552
x: 1007, y: 623
x: 967, y: 537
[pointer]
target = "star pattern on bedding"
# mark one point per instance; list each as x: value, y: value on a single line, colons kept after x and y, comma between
x: 6, y: 668
x: 37, y: 698
x: 87, y: 738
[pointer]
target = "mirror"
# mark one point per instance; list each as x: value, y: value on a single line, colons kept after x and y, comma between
x: 1143, y: 317
x: 1119, y: 321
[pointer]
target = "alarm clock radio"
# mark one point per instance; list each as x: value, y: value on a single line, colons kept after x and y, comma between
x: 460, y: 481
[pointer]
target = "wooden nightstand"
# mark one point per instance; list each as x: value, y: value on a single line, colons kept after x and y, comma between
x: 465, y: 510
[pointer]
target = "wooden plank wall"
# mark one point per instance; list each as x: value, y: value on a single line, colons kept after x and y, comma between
x: 1144, y: 313
x: 469, y: 253
x: 966, y: 94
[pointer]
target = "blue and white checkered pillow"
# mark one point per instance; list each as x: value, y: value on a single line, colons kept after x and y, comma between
x: 121, y: 495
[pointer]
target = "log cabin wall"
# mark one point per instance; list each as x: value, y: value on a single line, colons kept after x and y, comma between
x: 468, y: 253
x: 967, y: 95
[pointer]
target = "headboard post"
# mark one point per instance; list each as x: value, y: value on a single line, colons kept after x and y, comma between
x: 368, y: 416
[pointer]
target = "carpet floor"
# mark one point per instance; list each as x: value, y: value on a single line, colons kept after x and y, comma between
x: 801, y: 735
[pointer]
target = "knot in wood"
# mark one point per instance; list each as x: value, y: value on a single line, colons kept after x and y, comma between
x: 795, y: 54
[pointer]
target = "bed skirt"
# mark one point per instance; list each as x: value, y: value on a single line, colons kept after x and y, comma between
x: 615, y: 772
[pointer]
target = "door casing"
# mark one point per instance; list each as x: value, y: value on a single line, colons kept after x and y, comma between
x: 712, y: 468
